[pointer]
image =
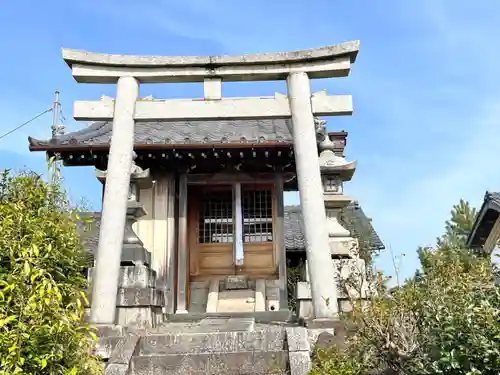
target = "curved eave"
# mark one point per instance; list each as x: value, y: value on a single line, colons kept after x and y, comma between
x: 485, y: 220
x: 334, y: 51
x: 37, y: 145
x: 345, y: 170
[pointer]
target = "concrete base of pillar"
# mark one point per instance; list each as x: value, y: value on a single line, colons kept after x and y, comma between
x: 305, y: 306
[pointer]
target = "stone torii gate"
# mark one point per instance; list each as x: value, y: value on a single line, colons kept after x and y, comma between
x: 296, y: 67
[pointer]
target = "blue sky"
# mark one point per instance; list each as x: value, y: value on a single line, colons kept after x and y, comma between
x: 426, y: 88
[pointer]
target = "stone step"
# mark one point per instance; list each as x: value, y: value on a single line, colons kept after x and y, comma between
x: 207, y: 325
x: 269, y: 339
x: 106, y: 345
x: 259, y: 316
x: 237, y: 300
x: 240, y: 363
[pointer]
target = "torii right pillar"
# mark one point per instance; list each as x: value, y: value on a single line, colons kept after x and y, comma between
x: 321, y: 269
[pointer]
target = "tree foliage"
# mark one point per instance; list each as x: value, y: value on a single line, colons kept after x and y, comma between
x: 458, y: 227
x: 446, y: 320
x: 42, y: 330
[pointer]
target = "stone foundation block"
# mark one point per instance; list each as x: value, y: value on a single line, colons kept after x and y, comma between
x: 300, y: 363
x: 235, y: 282
x: 241, y: 300
x: 198, y: 300
x: 135, y: 297
x: 105, y: 346
x: 134, y: 256
x: 253, y: 362
x: 274, y: 283
x: 138, y: 317
x: 108, y: 330
x: 199, y: 284
x: 121, y: 357
x: 273, y: 298
x: 297, y: 339
x: 343, y: 246
x: 140, y: 276
x: 214, y: 342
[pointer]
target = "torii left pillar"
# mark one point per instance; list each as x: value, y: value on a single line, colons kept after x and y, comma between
x: 114, y: 208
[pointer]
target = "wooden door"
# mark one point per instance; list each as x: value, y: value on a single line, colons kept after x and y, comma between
x: 211, y: 218
x: 258, y: 207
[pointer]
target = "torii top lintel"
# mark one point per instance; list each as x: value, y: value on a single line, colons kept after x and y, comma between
x: 325, y: 62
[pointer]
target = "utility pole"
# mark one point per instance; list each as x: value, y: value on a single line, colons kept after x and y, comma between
x: 55, y: 114
x: 53, y: 167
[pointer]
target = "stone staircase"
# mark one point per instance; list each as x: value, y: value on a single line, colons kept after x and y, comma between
x: 214, y: 346
x: 211, y: 346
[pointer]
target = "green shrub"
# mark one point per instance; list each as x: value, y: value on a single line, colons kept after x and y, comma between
x: 445, y: 320
x: 42, y: 330
x: 337, y: 362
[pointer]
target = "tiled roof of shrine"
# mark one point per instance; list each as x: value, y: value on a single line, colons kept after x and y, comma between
x: 354, y: 220
x: 186, y: 132
x: 180, y: 132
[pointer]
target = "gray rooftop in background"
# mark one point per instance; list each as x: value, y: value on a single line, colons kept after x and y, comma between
x: 485, y: 220
x: 354, y: 220
x: 180, y: 132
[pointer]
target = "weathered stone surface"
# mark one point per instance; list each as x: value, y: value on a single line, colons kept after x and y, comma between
x: 324, y: 324
x: 136, y: 297
x: 139, y: 276
x: 139, y: 317
x: 119, y: 361
x: 274, y: 283
x: 236, y: 282
x: 223, y: 342
x: 117, y: 369
x: 273, y: 293
x: 297, y: 339
x: 108, y: 330
x: 314, y: 333
x: 135, y: 255
x: 251, y: 362
x: 299, y: 362
x: 198, y: 300
x: 199, y: 284
x: 240, y: 300
x: 326, y: 340
x: 105, y: 346
x: 259, y: 316
x: 139, y: 297
x: 125, y: 349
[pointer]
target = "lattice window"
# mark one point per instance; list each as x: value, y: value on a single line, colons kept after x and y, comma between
x: 257, y: 215
x: 216, y: 217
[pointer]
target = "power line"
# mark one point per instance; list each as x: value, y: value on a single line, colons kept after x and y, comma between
x: 25, y: 123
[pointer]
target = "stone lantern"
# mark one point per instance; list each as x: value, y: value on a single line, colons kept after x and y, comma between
x: 335, y: 170
x: 139, y: 302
